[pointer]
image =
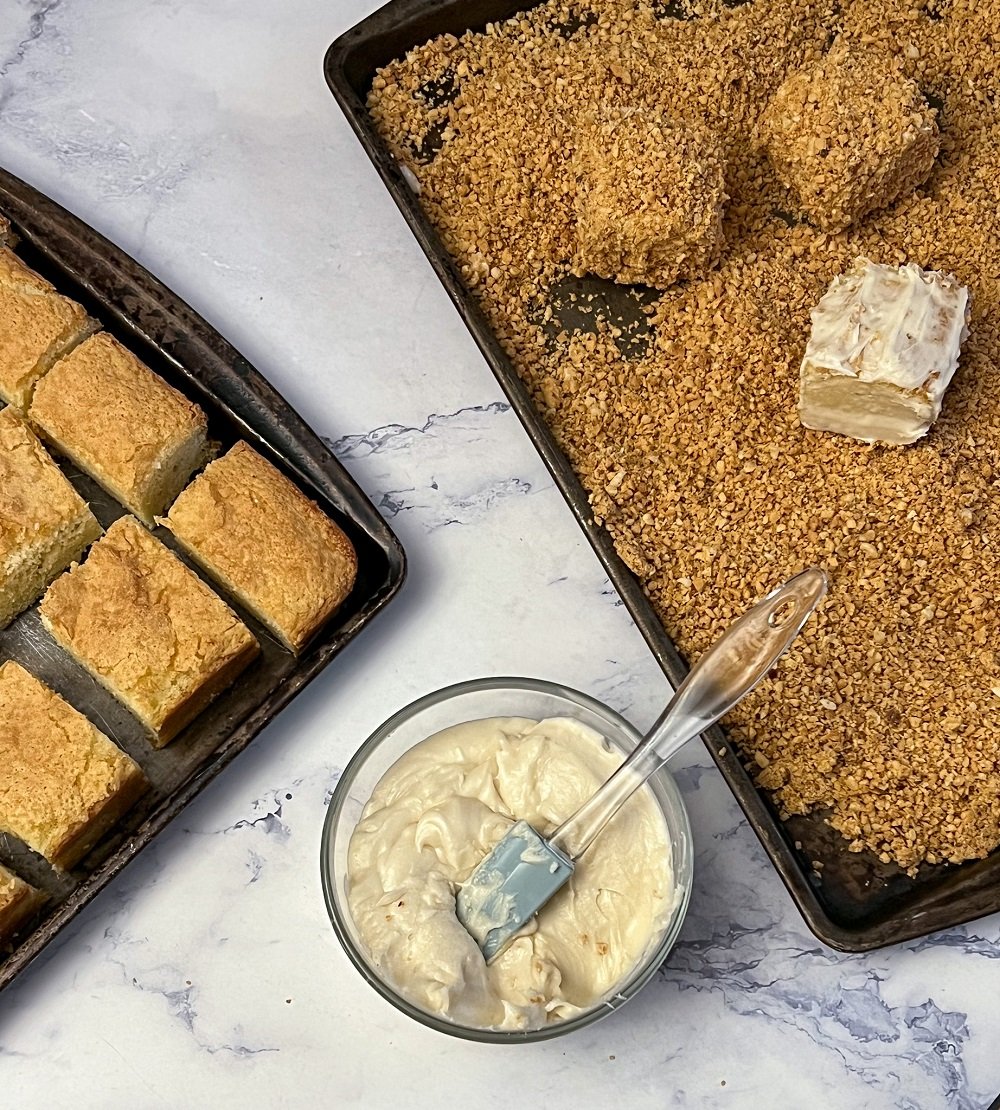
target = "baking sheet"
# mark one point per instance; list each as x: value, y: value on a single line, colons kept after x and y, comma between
x: 179, y: 345
x: 852, y: 902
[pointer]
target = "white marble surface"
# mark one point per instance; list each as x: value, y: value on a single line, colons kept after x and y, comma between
x: 200, y: 136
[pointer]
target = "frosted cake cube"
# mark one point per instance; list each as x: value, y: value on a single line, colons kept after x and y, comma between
x: 884, y: 347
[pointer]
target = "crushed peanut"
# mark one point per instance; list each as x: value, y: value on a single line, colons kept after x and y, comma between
x: 677, y: 409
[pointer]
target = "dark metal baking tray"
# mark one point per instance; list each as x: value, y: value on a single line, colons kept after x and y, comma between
x: 178, y: 344
x: 852, y: 902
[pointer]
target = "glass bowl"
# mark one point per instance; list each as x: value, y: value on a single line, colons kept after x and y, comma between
x: 470, y: 701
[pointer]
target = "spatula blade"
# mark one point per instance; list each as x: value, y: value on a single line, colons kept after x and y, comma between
x: 510, y: 886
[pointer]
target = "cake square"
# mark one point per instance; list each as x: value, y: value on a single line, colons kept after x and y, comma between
x: 265, y: 542
x: 883, y: 349
x: 64, y: 782
x: 37, y: 326
x: 17, y: 901
x: 147, y: 628
x: 44, y: 523
x: 662, y: 220
x: 124, y: 425
x: 850, y: 135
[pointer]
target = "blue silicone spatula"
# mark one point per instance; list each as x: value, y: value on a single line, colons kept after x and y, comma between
x: 524, y: 869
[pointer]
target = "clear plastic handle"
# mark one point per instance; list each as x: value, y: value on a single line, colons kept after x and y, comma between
x: 724, y: 675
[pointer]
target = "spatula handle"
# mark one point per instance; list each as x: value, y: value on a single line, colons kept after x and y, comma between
x: 724, y: 675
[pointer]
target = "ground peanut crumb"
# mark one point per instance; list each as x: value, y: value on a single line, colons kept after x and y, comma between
x: 681, y: 419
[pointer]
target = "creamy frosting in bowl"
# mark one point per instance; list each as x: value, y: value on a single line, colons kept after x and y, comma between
x: 420, y: 806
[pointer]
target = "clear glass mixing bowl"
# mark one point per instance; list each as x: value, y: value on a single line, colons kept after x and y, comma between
x: 470, y: 701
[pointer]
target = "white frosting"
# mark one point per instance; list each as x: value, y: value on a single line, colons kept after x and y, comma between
x: 433, y: 817
x: 884, y: 348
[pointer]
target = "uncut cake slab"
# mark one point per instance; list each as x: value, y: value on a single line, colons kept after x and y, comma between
x: 696, y: 385
x: 130, y: 674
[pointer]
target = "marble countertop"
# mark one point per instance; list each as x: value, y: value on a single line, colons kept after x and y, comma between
x: 200, y: 136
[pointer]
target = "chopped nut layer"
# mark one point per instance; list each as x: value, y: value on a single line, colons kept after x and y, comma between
x: 885, y: 713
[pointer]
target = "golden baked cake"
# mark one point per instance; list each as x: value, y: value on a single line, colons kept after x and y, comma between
x: 64, y: 783
x: 147, y: 628
x: 270, y: 546
x: 44, y: 523
x: 17, y: 898
x: 122, y: 424
x: 37, y: 326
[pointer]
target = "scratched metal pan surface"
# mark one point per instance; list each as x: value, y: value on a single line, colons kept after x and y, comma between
x: 851, y: 901
x: 178, y: 344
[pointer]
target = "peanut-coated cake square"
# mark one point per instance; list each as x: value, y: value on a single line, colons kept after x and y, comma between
x: 658, y: 219
x: 850, y: 135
